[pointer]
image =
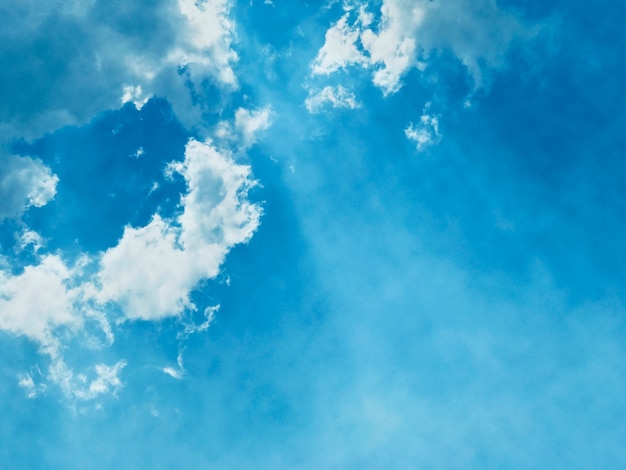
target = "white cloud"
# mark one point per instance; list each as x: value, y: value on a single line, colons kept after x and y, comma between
x: 340, y: 48
x: 146, y: 272
x: 250, y: 123
x: 175, y: 374
x: 33, y: 390
x: 243, y: 132
x: 209, y: 315
x: 36, y: 304
x: 147, y: 275
x: 178, y: 373
x: 104, y: 380
x: 392, y: 49
x: 135, y: 95
x: 410, y: 31
x: 30, y: 238
x: 426, y: 132
x: 208, y: 37
x: 127, y: 50
x: 337, y: 97
x: 36, y: 301
x: 24, y: 182
x: 152, y: 270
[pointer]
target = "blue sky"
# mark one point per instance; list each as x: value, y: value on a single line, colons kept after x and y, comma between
x: 382, y: 234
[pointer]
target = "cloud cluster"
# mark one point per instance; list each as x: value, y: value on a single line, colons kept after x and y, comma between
x: 82, y: 57
x: 408, y: 32
x: 152, y: 269
x: 147, y: 275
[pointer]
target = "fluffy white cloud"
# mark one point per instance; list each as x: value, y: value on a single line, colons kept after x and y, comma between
x: 409, y: 31
x: 176, y: 373
x: 207, y: 39
x: 426, y: 132
x: 340, y: 48
x: 24, y: 182
x: 135, y: 95
x: 38, y: 300
x: 152, y: 270
x: 72, y: 59
x: 147, y: 275
x: 337, y: 97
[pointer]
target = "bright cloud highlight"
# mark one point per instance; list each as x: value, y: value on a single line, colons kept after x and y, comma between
x: 153, y: 268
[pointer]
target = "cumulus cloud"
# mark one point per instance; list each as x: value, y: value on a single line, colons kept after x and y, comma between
x: 82, y: 57
x: 337, y: 97
x: 151, y: 271
x: 340, y: 48
x: 24, y: 182
x: 148, y: 275
x: 36, y: 301
x: 479, y: 33
x: 426, y: 132
x: 44, y: 303
x: 79, y: 58
x: 207, y: 39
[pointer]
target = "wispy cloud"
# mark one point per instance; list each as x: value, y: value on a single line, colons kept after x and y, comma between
x: 337, y: 97
x: 426, y: 132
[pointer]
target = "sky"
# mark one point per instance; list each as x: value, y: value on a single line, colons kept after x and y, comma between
x: 303, y: 235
